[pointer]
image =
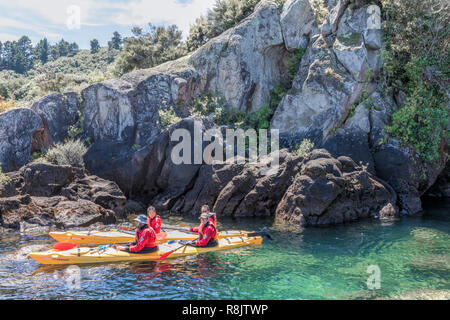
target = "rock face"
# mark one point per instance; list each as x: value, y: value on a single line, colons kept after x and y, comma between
x: 42, y: 194
x: 441, y: 188
x: 17, y: 130
x: 125, y: 110
x: 332, y: 191
x: 332, y: 76
x: 58, y: 112
x: 246, y: 62
x: 297, y: 23
x: 334, y: 101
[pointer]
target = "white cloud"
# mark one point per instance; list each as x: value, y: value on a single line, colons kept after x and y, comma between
x: 141, y: 12
x: 8, y: 37
x: 49, y: 18
x: 56, y: 11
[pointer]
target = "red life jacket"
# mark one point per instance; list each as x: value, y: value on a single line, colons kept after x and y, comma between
x: 145, y: 238
x: 213, y: 219
x: 155, y: 223
x: 207, y: 234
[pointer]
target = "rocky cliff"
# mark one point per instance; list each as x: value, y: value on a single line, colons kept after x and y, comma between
x: 334, y: 100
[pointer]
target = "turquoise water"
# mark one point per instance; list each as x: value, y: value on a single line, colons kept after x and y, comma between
x: 412, y: 254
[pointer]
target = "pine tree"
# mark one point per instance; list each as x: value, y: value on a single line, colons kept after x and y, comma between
x: 95, y: 46
x: 116, y: 41
x: 41, y: 51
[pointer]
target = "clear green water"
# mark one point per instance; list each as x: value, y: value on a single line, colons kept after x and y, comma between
x: 412, y: 254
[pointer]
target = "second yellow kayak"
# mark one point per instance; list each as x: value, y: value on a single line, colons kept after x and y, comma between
x: 93, y: 238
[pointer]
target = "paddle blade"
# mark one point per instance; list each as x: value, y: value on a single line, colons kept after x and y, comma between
x: 165, y: 255
x: 62, y: 246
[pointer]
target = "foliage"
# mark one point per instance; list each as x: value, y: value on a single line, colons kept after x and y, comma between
x: 224, y: 15
x: 168, y: 117
x: 146, y: 50
x: 116, y: 42
x: 38, y: 157
x: 416, y: 61
x: 207, y: 103
x: 20, y: 56
x: 65, y: 74
x: 319, y: 9
x: 6, y: 105
x: 4, y: 179
x: 422, y: 122
x: 224, y: 114
x: 304, y: 148
x: 294, y: 63
x: 70, y: 153
x: 95, y: 46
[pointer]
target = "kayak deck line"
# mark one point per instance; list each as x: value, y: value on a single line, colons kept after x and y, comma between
x: 91, y: 256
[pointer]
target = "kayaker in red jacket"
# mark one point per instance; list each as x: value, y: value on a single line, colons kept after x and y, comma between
x: 145, y: 239
x: 207, y: 232
x: 211, y: 218
x: 153, y: 220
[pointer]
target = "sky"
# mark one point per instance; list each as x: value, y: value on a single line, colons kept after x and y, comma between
x: 81, y: 21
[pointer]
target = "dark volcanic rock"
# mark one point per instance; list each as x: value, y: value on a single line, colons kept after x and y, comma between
x: 441, y: 188
x: 81, y: 213
x: 44, y: 195
x: 328, y: 192
x: 102, y: 192
x: 45, y: 179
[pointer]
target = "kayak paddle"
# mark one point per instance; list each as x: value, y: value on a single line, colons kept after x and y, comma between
x: 165, y: 255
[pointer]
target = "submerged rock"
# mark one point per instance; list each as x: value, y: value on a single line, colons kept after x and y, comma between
x: 423, y: 294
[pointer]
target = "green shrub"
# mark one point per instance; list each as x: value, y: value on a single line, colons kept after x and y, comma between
x: 168, y: 117
x: 416, y: 60
x: 261, y: 118
x: 207, y: 104
x: 294, y: 63
x: 304, y: 148
x: 70, y: 153
x: 4, y: 179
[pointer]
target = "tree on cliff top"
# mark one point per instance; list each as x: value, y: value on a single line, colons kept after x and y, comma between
x: 149, y: 49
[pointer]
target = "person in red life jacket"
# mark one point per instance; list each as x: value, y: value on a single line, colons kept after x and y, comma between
x: 153, y: 220
x: 212, y: 219
x: 207, y: 233
x: 145, y: 239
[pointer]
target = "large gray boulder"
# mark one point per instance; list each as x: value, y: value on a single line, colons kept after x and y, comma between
x: 297, y: 23
x: 58, y: 113
x: 246, y: 62
x: 126, y: 110
x: 18, y: 128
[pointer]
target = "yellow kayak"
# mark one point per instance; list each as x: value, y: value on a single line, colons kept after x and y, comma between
x: 109, y: 254
x: 92, y: 238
